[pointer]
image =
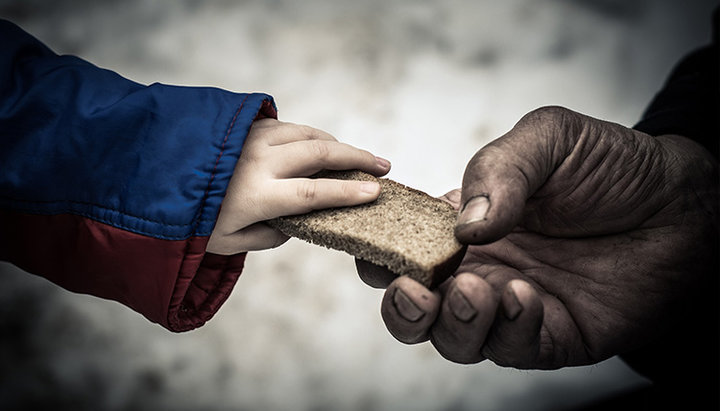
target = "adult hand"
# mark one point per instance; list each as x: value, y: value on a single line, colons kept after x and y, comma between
x: 589, y: 239
x: 270, y: 180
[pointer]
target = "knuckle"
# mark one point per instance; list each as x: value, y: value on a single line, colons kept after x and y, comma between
x: 285, y: 129
x: 548, y: 119
x: 307, y: 191
x: 319, y: 149
x: 548, y: 114
x: 309, y: 132
x: 287, y: 125
x: 312, y: 133
x: 263, y: 125
x: 551, y: 130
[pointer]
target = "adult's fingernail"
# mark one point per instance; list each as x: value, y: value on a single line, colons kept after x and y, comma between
x: 370, y: 187
x: 475, y: 209
x: 461, y: 307
x: 406, y: 307
x: 385, y: 164
x: 511, y: 304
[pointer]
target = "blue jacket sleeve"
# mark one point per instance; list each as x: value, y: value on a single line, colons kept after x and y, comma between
x: 81, y: 146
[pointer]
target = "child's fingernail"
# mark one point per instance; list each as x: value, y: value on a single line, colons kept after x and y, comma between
x: 382, y: 162
x: 474, y: 210
x: 370, y: 187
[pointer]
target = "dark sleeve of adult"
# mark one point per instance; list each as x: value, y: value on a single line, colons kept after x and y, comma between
x: 689, y: 103
x: 685, y: 363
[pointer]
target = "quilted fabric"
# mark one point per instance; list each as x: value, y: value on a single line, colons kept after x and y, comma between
x: 110, y: 187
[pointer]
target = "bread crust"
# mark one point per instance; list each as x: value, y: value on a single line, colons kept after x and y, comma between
x: 405, y: 230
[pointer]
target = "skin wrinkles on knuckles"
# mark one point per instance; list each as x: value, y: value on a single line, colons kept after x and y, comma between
x: 319, y: 150
x: 609, y: 182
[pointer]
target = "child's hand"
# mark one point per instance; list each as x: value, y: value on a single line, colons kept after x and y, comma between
x: 270, y: 180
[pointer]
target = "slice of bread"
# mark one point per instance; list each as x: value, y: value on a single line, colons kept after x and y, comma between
x: 405, y: 230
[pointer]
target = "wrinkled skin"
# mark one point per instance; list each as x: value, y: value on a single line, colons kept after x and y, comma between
x: 589, y: 239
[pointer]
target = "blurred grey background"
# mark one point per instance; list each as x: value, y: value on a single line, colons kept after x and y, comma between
x: 422, y: 83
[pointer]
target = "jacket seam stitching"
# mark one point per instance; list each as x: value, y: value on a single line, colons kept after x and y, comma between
x: 198, y: 219
x: 193, y: 225
x: 175, y: 322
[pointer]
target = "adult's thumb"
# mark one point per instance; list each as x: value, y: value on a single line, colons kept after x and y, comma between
x: 501, y: 176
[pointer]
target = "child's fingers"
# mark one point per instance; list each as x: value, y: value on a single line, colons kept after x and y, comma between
x: 305, y: 158
x: 276, y: 133
x: 302, y: 195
